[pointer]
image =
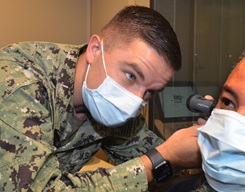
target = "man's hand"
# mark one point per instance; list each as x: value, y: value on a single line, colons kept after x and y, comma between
x: 181, y: 149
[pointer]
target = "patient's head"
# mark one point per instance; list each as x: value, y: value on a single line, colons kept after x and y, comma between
x: 233, y: 93
x: 221, y: 139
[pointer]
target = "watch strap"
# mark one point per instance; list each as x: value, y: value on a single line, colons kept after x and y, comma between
x: 161, y: 168
x: 155, y: 157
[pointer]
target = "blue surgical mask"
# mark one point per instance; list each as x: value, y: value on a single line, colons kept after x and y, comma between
x: 222, y: 144
x: 110, y: 104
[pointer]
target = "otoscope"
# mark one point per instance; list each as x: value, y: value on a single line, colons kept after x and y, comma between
x: 198, y: 104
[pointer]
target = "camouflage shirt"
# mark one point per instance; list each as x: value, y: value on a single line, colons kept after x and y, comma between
x: 42, y: 144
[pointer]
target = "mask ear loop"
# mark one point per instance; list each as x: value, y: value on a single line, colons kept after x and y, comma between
x: 86, y: 75
x: 103, y: 59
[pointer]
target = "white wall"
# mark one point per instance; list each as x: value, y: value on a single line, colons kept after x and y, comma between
x: 63, y: 21
x: 103, y: 11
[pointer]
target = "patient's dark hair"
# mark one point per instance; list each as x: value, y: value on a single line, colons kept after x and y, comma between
x: 202, y: 185
x: 242, y: 56
x: 144, y: 23
x: 239, y: 59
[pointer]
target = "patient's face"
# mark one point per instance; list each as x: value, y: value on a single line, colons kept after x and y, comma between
x: 233, y: 92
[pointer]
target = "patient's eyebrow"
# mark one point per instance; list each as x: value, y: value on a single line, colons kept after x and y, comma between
x: 230, y: 90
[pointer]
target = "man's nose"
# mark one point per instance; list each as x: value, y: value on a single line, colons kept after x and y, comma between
x: 139, y: 93
x: 143, y: 95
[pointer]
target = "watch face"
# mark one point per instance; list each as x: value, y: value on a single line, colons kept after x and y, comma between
x: 162, y: 171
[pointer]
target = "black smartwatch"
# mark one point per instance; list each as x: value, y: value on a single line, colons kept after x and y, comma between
x: 161, y: 168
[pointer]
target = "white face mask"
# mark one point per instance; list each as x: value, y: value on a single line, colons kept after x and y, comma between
x: 111, y: 104
x: 222, y: 144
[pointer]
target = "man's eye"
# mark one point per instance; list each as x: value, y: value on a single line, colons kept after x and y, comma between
x: 130, y: 76
x: 227, y: 104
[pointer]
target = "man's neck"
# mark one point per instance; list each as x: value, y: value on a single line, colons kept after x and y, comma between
x: 79, y: 78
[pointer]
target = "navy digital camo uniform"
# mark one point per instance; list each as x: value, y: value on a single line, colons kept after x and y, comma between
x: 42, y: 144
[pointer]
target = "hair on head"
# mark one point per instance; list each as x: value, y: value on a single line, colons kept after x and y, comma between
x: 144, y: 23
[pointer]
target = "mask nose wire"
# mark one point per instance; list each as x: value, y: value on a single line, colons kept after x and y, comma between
x: 103, y: 59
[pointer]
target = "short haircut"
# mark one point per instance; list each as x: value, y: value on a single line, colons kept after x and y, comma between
x: 135, y: 22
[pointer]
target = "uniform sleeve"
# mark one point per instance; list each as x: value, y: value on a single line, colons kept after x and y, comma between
x: 29, y: 165
x: 27, y: 153
x: 131, y: 140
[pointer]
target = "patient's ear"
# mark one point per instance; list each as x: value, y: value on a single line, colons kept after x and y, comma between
x: 93, y: 48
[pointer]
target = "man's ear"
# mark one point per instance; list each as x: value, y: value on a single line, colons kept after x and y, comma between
x: 93, y: 47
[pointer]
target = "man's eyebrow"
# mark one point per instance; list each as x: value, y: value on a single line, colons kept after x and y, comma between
x: 231, y: 91
x: 136, y: 68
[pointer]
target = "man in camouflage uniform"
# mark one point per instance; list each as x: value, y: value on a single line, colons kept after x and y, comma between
x: 47, y: 132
